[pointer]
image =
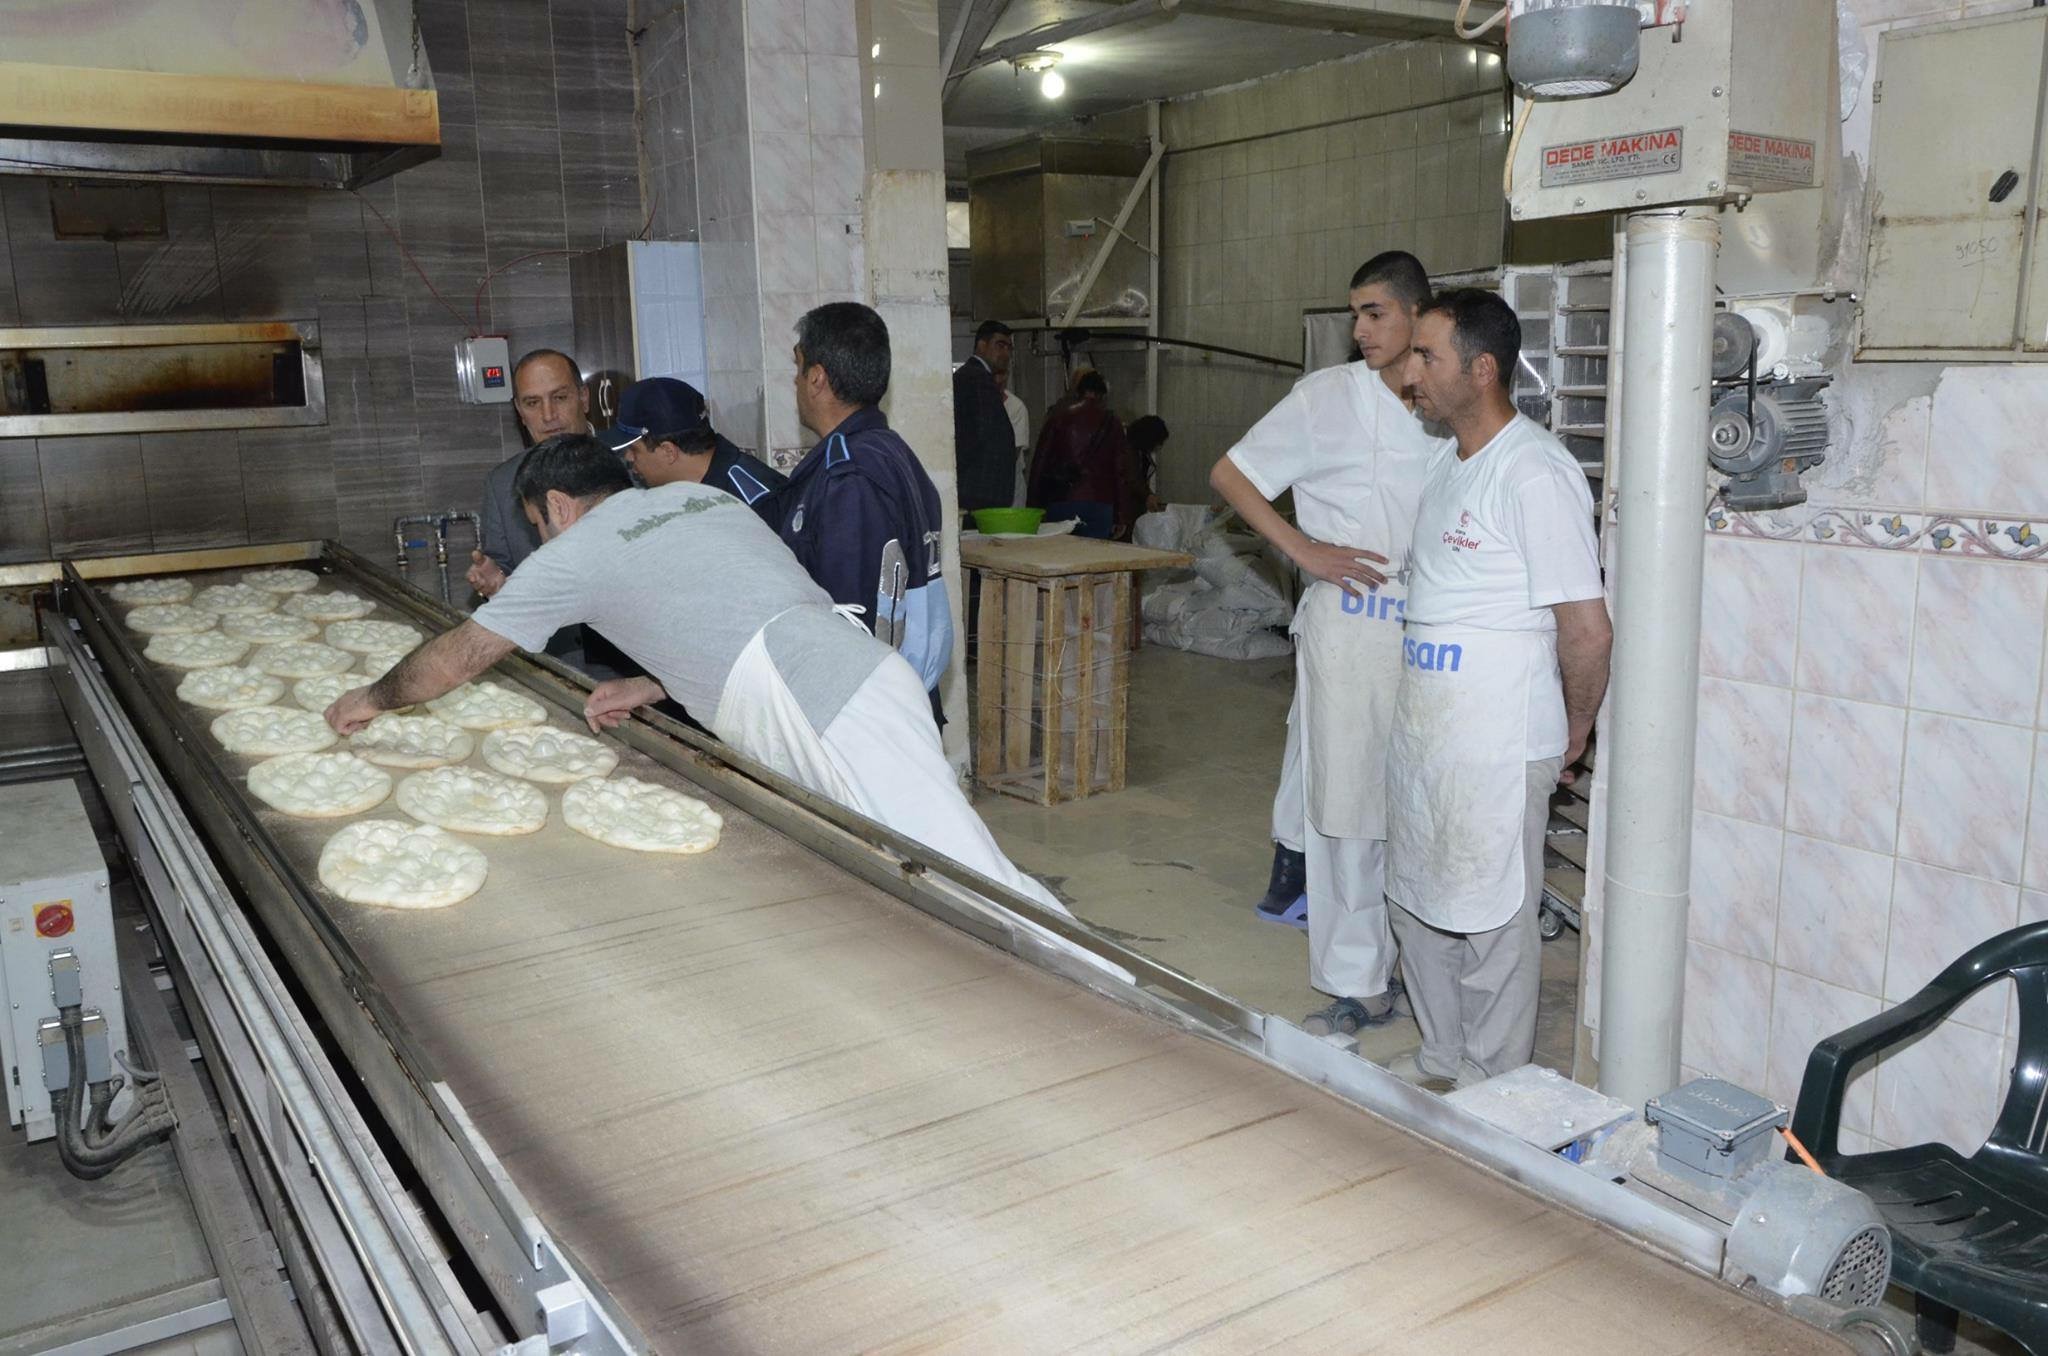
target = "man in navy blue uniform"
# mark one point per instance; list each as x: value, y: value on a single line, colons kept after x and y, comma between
x: 859, y: 512
x: 665, y: 436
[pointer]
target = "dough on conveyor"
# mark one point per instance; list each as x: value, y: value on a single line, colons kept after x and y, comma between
x: 370, y: 636
x: 380, y: 662
x: 195, y: 649
x: 540, y: 753
x: 234, y: 598
x: 629, y: 813
x: 319, y: 785
x: 328, y: 607
x: 230, y: 688
x: 319, y: 692
x: 469, y: 801
x: 268, y: 626
x: 282, y: 581
x: 487, y: 706
x: 300, y: 659
x: 169, y: 619
x: 267, y: 731
x: 411, y: 741
x: 167, y: 589
x: 401, y: 866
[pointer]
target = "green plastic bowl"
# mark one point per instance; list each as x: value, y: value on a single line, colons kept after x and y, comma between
x: 993, y: 520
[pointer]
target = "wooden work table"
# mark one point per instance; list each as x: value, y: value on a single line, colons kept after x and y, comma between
x: 1053, y: 680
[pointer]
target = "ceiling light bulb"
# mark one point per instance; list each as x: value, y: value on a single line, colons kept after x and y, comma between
x: 1052, y: 85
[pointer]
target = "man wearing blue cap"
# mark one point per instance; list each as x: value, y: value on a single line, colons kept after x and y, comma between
x: 665, y: 436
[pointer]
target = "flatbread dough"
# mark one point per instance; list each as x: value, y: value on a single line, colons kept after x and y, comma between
x: 540, y: 753
x: 469, y: 801
x: 166, y: 589
x: 487, y: 706
x: 328, y: 607
x: 282, y: 581
x: 373, y: 637
x: 376, y: 665
x: 169, y: 619
x: 267, y: 731
x: 300, y: 659
x: 195, y: 649
x: 319, y: 692
x: 401, y: 866
x: 412, y: 741
x: 319, y: 785
x: 233, y: 598
x: 268, y: 626
x: 629, y: 813
x: 230, y: 688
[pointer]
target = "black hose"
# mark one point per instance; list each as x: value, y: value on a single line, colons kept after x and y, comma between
x: 99, y: 1146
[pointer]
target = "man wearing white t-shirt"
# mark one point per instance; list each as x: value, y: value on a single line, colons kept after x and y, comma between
x: 1353, y: 452
x: 1504, y: 665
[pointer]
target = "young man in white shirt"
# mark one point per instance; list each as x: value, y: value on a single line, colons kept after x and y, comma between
x: 1504, y: 665
x: 1347, y: 443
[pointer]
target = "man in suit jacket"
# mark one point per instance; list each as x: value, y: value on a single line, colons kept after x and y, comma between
x: 984, y: 457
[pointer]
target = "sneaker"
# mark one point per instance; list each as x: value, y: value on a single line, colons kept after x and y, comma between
x: 1285, y: 888
x: 1292, y: 914
x: 1409, y: 1071
x: 1347, y: 1016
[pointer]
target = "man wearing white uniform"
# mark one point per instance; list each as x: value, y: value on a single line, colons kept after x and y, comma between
x: 697, y: 589
x: 1505, y: 662
x: 1347, y: 444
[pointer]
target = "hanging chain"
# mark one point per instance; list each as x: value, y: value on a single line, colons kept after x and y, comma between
x: 415, y: 74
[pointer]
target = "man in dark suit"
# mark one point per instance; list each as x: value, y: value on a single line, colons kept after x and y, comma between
x: 984, y: 451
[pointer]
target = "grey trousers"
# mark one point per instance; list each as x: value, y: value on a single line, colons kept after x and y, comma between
x: 1474, y: 993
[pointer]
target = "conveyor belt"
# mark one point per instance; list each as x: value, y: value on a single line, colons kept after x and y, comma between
x: 772, y: 1108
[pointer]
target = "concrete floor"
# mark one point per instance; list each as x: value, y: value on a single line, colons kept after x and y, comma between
x: 1172, y: 864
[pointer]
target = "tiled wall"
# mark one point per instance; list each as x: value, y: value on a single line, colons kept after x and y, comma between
x: 668, y: 149
x: 538, y: 154
x: 1871, y: 794
x: 1277, y: 190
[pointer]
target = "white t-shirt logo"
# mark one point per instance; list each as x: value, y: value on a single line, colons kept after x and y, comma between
x: 1458, y: 539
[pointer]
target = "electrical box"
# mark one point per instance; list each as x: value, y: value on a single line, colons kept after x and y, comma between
x: 483, y: 370
x: 1738, y: 99
x: 1954, y: 189
x: 56, y: 937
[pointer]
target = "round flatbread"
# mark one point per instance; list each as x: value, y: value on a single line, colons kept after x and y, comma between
x: 160, y: 590
x: 233, y: 598
x: 301, y: 659
x: 487, y: 706
x: 540, y: 753
x: 320, y: 692
x: 230, y: 688
x: 469, y: 801
x: 375, y: 666
x: 282, y: 581
x: 629, y: 813
x: 328, y: 607
x: 169, y: 619
x: 319, y: 785
x: 372, y: 637
x: 412, y: 741
x: 397, y: 865
x: 268, y: 626
x: 267, y: 731
x: 195, y: 649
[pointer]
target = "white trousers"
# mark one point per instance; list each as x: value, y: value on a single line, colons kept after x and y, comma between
x: 1290, y: 802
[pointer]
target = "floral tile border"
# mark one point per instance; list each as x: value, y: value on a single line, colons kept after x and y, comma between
x: 1890, y: 530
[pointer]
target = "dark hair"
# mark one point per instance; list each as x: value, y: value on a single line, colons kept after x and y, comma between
x: 693, y: 442
x: 987, y: 330
x: 541, y: 355
x: 851, y: 343
x: 1481, y: 323
x: 1400, y: 272
x: 1147, y: 432
x: 1091, y: 383
x: 576, y: 464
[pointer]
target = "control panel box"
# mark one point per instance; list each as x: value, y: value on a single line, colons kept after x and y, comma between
x: 1739, y: 99
x: 483, y: 370
x: 56, y: 937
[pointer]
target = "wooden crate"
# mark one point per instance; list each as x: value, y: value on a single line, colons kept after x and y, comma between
x: 1053, y: 684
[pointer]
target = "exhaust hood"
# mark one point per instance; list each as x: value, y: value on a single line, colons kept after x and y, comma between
x: 299, y: 93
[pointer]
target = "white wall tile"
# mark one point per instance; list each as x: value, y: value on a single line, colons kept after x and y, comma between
x: 1856, y: 622
x: 1936, y: 917
x: 781, y: 174
x: 829, y: 27
x: 1742, y: 749
x: 1727, y: 1014
x: 834, y: 93
x: 1977, y: 639
x: 2035, y: 872
x: 789, y: 254
x: 1845, y: 771
x: 1804, y: 1012
x: 1984, y: 441
x: 1834, y: 904
x: 1734, y: 884
x: 1750, y: 588
x: 842, y: 258
x: 1965, y: 795
x: 776, y: 25
x: 1942, y: 1088
x: 778, y: 92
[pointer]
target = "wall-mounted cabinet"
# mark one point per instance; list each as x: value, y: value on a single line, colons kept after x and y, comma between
x: 1956, y: 269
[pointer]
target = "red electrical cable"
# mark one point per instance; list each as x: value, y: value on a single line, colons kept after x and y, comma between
x: 477, y: 302
x: 406, y: 254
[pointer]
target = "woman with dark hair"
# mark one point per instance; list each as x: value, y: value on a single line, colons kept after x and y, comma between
x: 1147, y: 434
x: 1082, y: 466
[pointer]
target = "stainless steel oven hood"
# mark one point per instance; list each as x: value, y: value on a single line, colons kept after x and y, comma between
x: 285, y: 92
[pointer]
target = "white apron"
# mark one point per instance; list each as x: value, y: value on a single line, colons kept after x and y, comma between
x: 1350, y: 671
x: 1457, y: 773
